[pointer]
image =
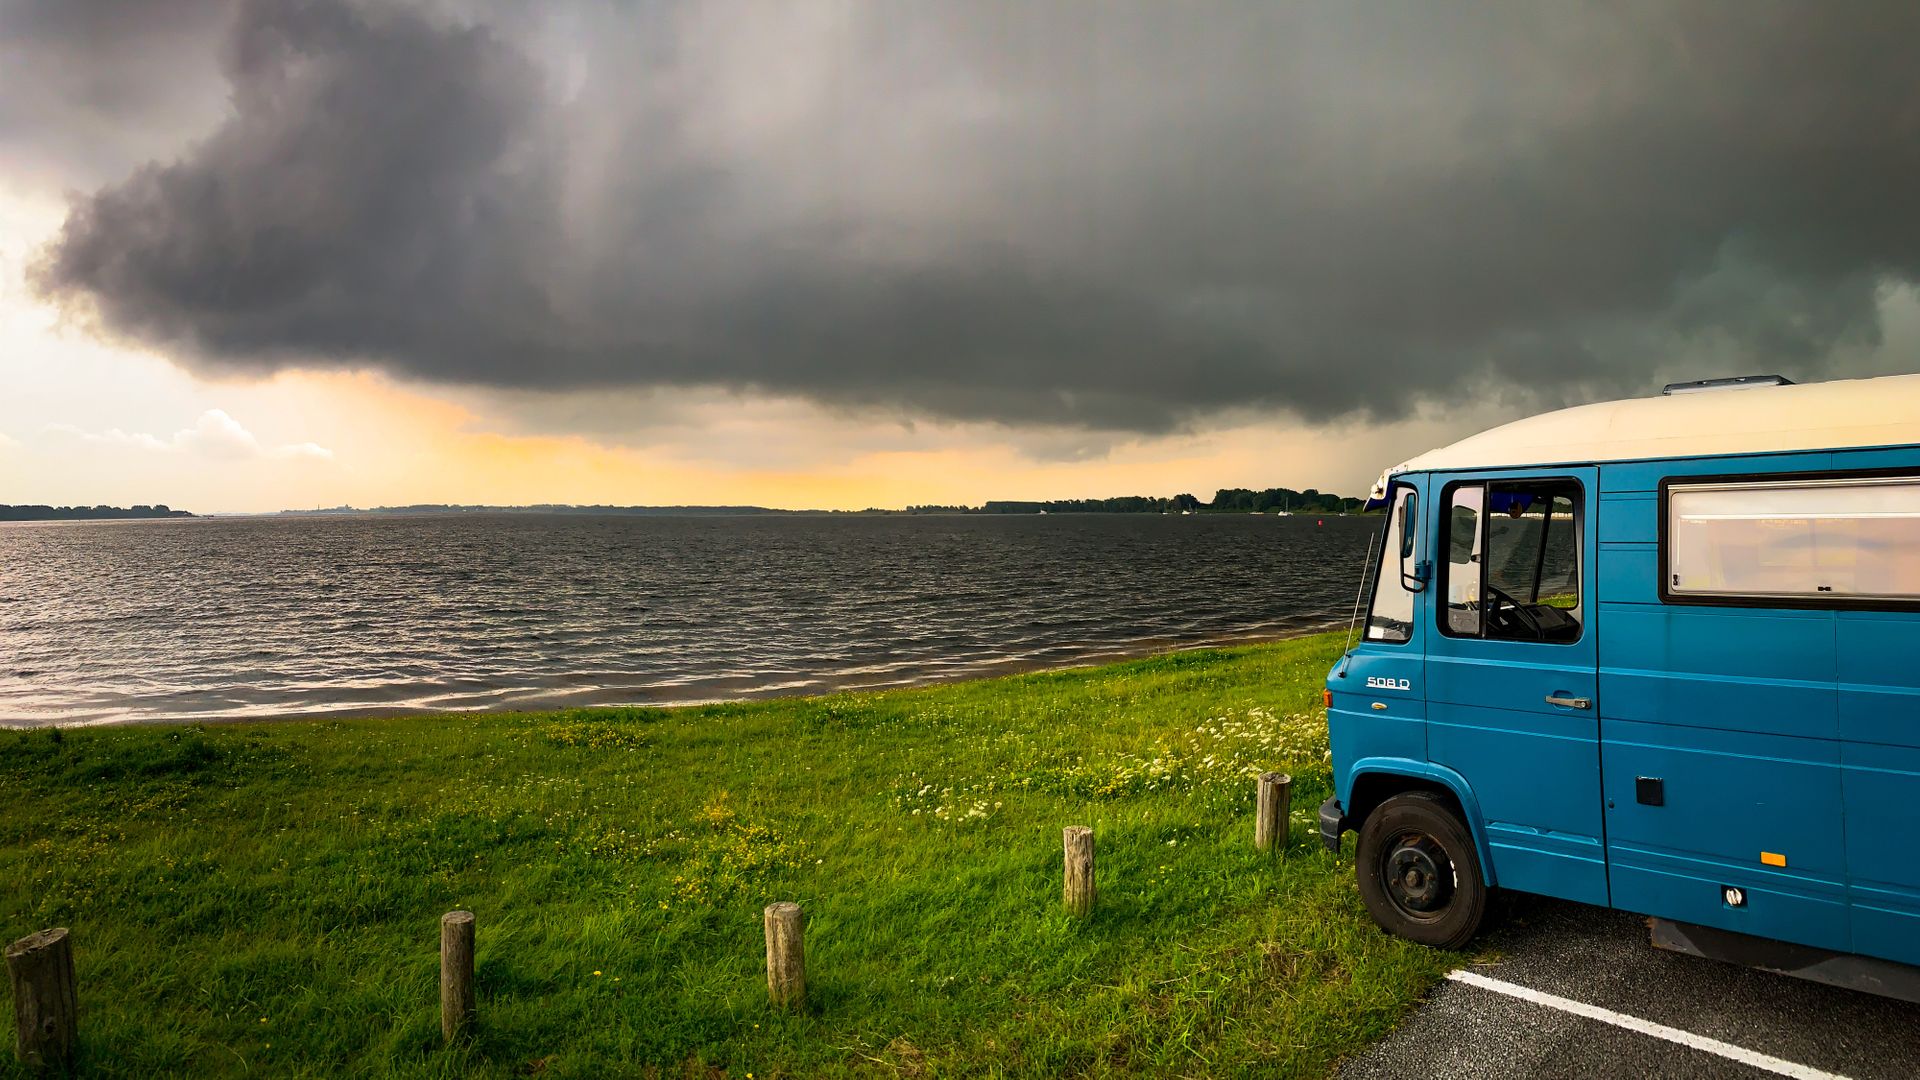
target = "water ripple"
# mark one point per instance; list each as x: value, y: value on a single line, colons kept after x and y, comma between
x: 201, y: 619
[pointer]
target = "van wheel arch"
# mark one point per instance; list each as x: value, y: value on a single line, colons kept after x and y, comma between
x: 1372, y: 789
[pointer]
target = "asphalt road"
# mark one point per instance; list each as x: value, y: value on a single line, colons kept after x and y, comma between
x: 1602, y: 958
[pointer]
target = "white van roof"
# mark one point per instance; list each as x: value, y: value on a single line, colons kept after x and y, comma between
x: 1845, y: 413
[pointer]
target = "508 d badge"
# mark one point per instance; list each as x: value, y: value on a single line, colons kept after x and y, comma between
x: 1375, y: 682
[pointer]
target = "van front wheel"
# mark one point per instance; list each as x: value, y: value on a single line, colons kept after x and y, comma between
x: 1419, y: 873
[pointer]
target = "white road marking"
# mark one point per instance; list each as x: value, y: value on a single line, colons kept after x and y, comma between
x: 1645, y: 1027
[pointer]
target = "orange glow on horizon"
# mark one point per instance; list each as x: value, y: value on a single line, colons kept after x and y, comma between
x: 394, y: 444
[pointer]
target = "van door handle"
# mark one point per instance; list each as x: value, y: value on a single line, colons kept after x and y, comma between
x: 1569, y: 702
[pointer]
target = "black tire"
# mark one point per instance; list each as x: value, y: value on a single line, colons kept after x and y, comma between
x: 1419, y: 873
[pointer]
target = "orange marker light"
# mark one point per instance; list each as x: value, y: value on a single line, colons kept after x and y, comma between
x: 1328, y: 695
x: 1772, y: 859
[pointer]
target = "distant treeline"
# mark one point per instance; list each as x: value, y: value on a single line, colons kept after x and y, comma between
x: 85, y: 513
x: 1244, y: 501
x: 1225, y: 501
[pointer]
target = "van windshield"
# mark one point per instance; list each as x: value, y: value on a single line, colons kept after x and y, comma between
x: 1390, y: 616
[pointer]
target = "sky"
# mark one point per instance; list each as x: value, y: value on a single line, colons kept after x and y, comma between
x: 258, y: 254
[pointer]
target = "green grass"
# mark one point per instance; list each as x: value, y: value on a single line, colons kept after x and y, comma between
x: 264, y: 898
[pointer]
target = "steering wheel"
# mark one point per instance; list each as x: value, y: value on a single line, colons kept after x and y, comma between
x: 1524, y: 615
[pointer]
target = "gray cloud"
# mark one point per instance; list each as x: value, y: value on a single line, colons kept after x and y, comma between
x: 1116, y: 217
x: 94, y: 87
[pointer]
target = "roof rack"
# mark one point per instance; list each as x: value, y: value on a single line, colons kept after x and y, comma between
x: 1737, y: 382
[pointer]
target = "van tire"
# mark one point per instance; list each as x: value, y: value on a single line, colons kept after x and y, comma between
x: 1419, y: 872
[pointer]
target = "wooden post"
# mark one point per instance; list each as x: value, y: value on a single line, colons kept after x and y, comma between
x: 786, y: 955
x: 1270, y: 816
x: 1077, y: 890
x: 46, y: 1003
x: 456, y: 974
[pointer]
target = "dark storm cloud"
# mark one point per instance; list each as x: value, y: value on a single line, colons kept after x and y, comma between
x: 1117, y: 217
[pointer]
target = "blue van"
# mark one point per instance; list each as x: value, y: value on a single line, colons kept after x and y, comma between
x: 1660, y: 655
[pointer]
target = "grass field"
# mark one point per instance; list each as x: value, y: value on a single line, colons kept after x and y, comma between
x: 264, y: 898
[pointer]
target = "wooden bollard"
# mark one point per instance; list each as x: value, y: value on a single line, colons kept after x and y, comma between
x: 786, y: 955
x: 46, y: 1002
x: 1077, y: 886
x: 1271, y: 809
x: 457, y: 1009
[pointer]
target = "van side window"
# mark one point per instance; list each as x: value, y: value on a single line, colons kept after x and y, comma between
x: 1852, y: 539
x: 1390, y: 617
x: 1463, y: 560
x: 1513, y: 561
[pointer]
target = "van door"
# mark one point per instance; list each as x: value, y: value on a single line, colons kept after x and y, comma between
x: 1511, y: 670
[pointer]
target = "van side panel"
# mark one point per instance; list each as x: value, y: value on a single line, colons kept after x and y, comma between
x: 1729, y: 795
x: 1879, y: 719
x: 1880, y: 757
x: 1727, y: 718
